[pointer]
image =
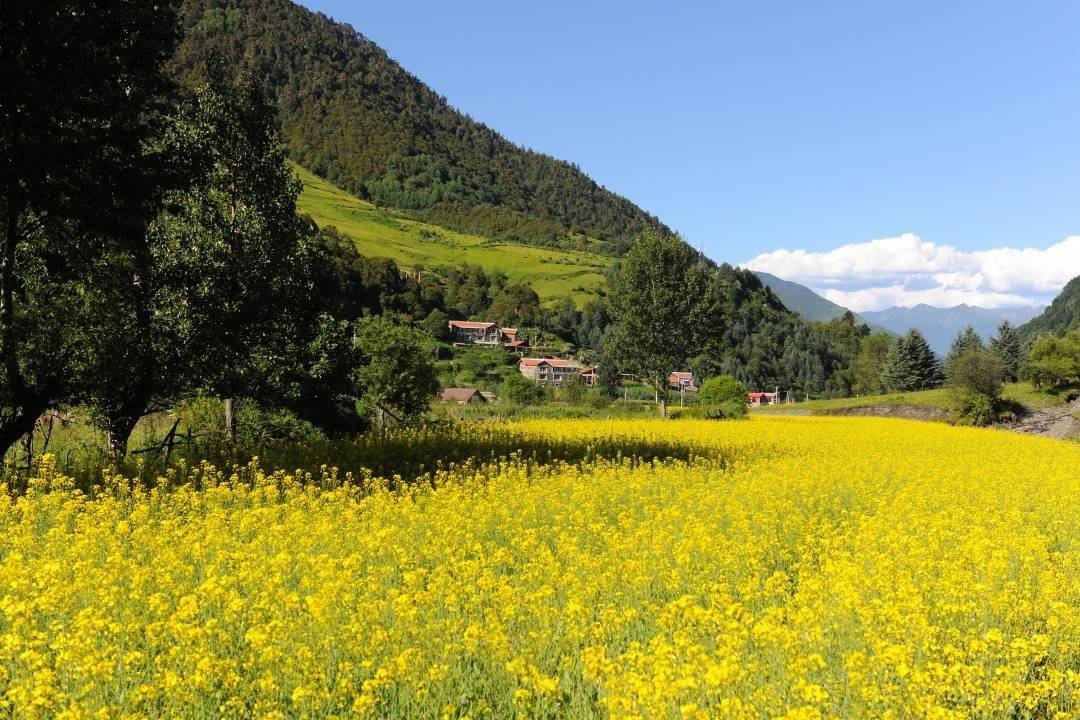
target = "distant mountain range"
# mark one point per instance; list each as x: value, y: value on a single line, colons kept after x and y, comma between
x: 940, y: 325
x: 808, y: 303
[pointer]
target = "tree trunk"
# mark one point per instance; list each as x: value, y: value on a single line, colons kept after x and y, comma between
x: 118, y: 434
x: 20, y: 421
x: 15, y: 383
x: 26, y: 406
x: 230, y: 424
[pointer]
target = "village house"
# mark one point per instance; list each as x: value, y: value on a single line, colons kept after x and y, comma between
x: 547, y: 371
x: 758, y: 399
x: 588, y: 374
x: 463, y: 396
x: 682, y: 381
x: 469, y: 332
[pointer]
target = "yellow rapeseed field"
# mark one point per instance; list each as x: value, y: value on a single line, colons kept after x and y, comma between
x: 789, y: 568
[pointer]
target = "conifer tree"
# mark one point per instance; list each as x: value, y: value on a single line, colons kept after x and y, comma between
x: 910, y: 364
x: 1008, y: 346
x: 965, y: 341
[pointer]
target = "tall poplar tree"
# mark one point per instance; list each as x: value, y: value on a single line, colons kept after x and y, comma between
x: 656, y: 309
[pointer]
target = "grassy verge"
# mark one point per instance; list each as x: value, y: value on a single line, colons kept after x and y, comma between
x: 939, y: 399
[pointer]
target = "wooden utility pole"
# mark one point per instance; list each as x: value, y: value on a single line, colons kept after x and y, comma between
x: 229, y: 420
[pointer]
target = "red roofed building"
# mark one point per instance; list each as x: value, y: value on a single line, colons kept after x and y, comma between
x: 519, y: 346
x: 757, y: 399
x: 547, y: 371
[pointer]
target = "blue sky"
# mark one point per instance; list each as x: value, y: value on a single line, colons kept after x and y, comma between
x: 758, y: 127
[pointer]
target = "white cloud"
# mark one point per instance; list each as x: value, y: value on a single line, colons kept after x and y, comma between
x: 907, y: 270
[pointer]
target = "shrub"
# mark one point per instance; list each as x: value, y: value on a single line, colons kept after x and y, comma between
x: 1054, y: 361
x: 977, y: 376
x: 517, y: 388
x: 723, y: 397
x: 572, y: 390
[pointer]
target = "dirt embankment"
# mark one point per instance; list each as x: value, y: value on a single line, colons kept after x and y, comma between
x: 1057, y: 422
x: 908, y: 412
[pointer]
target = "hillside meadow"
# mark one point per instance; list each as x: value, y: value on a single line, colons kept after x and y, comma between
x: 781, y: 567
x: 378, y: 232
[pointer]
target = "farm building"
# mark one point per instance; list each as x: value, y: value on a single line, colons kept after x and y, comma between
x: 469, y: 332
x: 682, y: 381
x: 548, y: 371
x: 463, y: 396
x: 757, y: 399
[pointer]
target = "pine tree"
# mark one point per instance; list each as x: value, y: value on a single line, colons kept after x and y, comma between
x: 1009, y: 348
x: 927, y: 366
x: 965, y: 341
x: 910, y: 364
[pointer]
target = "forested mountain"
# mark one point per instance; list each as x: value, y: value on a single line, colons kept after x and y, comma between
x: 940, y: 325
x: 1062, y: 315
x: 354, y: 116
x: 806, y: 302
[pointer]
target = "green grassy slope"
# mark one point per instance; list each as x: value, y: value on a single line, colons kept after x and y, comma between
x: 379, y: 232
x: 941, y: 399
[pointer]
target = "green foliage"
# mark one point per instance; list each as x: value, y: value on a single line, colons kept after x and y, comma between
x: 869, y: 363
x: 354, y: 116
x: 723, y: 396
x: 572, y: 390
x: 977, y: 371
x: 1054, y: 361
x: 520, y: 390
x: 910, y: 364
x: 437, y: 324
x: 721, y: 389
x: 967, y: 340
x: 256, y: 427
x: 1008, y: 346
x: 515, y: 305
x: 655, y: 309
x: 82, y: 97
x: 576, y: 272
x: 977, y: 409
x: 395, y: 372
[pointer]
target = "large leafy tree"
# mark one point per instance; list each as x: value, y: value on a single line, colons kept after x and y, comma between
x: 226, y: 298
x: 1054, y: 361
x: 81, y: 95
x: 869, y: 363
x: 656, y: 309
x: 395, y: 373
